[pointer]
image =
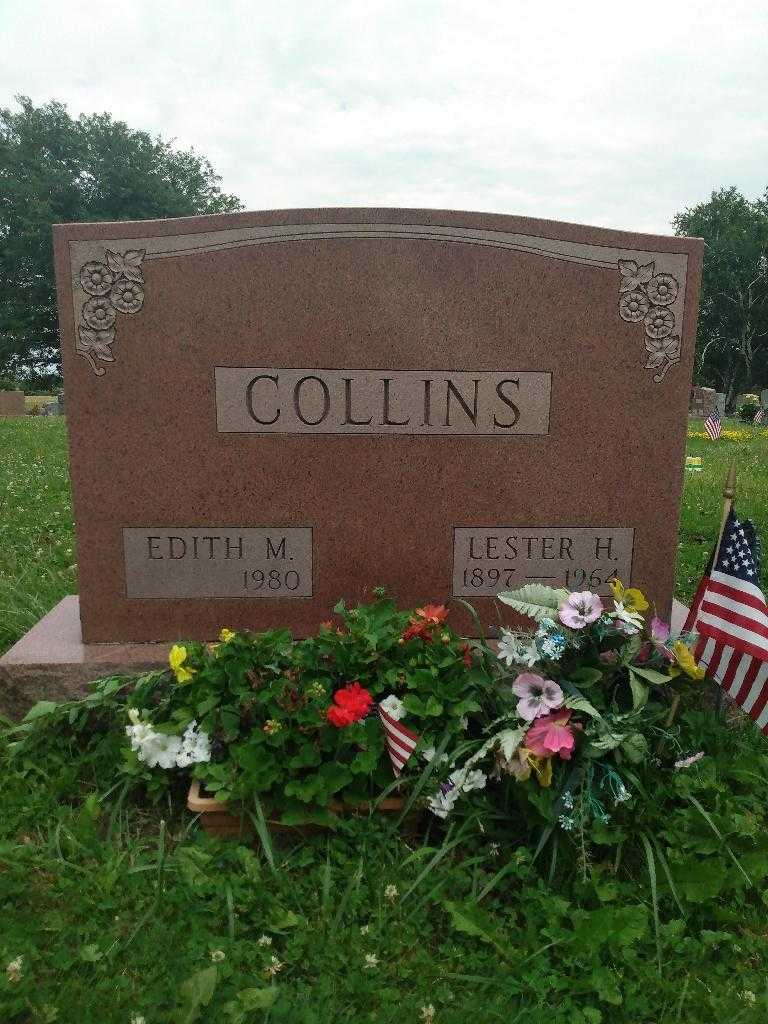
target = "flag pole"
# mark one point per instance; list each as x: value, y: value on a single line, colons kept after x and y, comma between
x: 728, y: 494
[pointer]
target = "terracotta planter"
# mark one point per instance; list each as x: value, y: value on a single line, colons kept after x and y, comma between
x: 217, y: 821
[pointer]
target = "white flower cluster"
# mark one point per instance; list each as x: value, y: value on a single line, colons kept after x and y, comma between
x: 463, y: 780
x: 687, y: 762
x: 513, y: 650
x: 157, y: 749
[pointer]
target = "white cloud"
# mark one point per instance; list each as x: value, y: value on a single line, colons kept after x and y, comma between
x: 596, y: 112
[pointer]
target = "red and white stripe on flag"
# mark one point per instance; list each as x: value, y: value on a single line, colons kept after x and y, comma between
x: 401, y: 741
x: 759, y: 416
x: 713, y: 426
x: 731, y: 618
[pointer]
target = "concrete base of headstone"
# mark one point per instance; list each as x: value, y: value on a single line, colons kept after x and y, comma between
x: 51, y: 662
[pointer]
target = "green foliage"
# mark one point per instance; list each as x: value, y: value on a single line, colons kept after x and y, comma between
x: 120, y: 910
x: 746, y: 411
x: 732, y: 338
x: 55, y: 169
x: 534, y: 600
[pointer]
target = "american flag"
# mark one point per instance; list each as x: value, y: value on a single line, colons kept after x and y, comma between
x: 730, y: 616
x: 713, y: 426
x: 759, y: 416
x: 401, y: 741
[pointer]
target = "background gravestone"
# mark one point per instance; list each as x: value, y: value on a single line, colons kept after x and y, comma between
x: 720, y: 404
x: 275, y: 410
x: 702, y: 403
x: 11, y: 403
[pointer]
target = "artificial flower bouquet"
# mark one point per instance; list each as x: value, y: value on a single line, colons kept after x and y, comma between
x: 300, y: 724
x: 578, y: 703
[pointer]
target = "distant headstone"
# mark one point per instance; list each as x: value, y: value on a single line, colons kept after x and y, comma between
x: 11, y: 404
x: 702, y: 403
x: 275, y: 410
x: 764, y: 399
x: 720, y: 403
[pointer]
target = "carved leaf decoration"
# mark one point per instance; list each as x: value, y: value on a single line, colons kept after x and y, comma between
x: 672, y: 348
x: 662, y: 350
x: 132, y: 264
x: 127, y: 264
x: 96, y: 343
x: 634, y: 276
x: 114, y: 261
x: 655, y: 359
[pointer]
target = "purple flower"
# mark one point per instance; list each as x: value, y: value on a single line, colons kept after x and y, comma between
x: 578, y: 610
x: 537, y: 696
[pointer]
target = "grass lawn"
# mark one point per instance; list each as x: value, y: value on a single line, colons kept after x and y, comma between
x: 123, y: 912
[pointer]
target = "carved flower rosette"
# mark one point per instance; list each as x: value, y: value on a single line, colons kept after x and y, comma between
x: 113, y: 287
x: 646, y: 297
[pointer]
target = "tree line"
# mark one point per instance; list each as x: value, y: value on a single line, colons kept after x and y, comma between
x: 55, y: 168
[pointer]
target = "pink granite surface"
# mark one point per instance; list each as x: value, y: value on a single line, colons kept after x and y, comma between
x: 150, y: 310
x: 51, y: 662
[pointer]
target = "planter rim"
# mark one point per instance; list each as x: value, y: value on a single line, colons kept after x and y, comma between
x: 210, y: 805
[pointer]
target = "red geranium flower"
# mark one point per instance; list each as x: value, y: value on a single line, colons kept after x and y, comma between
x: 424, y: 621
x: 434, y: 613
x: 466, y: 650
x: 351, y: 703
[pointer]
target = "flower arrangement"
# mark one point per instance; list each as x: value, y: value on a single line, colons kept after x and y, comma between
x: 295, y: 724
x: 577, y: 701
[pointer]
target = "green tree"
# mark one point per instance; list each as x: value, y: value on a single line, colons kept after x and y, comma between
x: 732, y: 344
x: 55, y: 169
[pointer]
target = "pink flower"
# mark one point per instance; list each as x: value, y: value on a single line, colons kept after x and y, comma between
x: 537, y: 695
x: 578, y: 610
x: 551, y: 735
x: 659, y: 637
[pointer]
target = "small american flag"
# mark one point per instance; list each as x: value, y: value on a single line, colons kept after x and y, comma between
x: 401, y: 741
x: 713, y: 426
x: 730, y: 615
x: 759, y: 416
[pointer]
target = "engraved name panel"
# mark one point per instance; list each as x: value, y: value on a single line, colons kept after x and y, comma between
x: 487, y: 560
x: 321, y: 401
x: 218, y: 562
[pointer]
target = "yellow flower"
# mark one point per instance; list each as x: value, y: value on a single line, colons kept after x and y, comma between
x: 630, y: 598
x: 226, y: 635
x: 685, y: 662
x: 176, y: 659
x: 542, y: 766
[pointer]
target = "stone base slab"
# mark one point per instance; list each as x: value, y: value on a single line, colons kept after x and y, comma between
x: 51, y: 662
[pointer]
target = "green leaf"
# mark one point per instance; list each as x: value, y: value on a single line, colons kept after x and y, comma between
x: 91, y: 953
x: 40, y: 710
x: 583, y: 705
x: 193, y: 865
x: 639, y: 691
x: 534, y: 600
x: 196, y: 992
x: 247, y: 1001
x: 470, y: 919
x: 699, y: 881
x: 586, y: 676
x: 650, y: 674
x: 635, y: 747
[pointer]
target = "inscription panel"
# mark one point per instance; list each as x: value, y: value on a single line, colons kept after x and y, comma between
x: 487, y: 560
x: 322, y: 401
x: 218, y: 562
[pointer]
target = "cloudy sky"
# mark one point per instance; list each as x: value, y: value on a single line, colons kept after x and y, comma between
x: 613, y: 113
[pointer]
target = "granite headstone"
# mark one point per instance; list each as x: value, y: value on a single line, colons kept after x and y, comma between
x: 270, y: 411
x: 11, y: 404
